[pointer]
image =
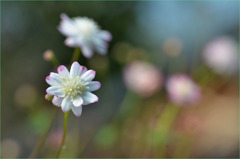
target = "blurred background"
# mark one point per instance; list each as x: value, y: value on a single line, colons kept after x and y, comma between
x: 132, y: 118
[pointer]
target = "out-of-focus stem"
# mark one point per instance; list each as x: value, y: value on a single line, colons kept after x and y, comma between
x: 76, y: 55
x: 55, y: 61
x: 64, y: 135
x: 43, y: 138
x: 163, y: 127
x: 126, y: 107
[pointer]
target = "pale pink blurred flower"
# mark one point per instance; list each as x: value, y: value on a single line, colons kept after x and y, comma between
x: 83, y: 32
x: 143, y: 78
x: 54, y: 138
x: 72, y: 89
x: 221, y: 55
x: 182, y: 90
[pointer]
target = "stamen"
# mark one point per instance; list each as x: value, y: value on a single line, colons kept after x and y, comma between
x: 74, y: 87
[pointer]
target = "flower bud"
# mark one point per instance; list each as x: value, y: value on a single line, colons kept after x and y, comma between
x: 48, y: 55
x: 48, y: 97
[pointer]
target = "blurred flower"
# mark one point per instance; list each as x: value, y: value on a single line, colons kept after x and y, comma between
x: 221, y: 55
x: 182, y: 90
x: 172, y: 47
x: 72, y: 89
x: 125, y: 53
x: 9, y: 148
x: 48, y: 55
x: 84, y: 33
x: 25, y: 95
x: 143, y: 78
x: 53, y: 139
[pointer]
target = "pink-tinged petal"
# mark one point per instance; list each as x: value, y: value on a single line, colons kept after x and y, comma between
x: 105, y: 35
x: 83, y: 70
x: 77, y: 111
x: 64, y: 16
x: 89, y: 75
x: 89, y: 97
x: 75, y: 70
x: 57, y: 101
x: 77, y: 102
x: 66, y: 104
x: 87, y: 51
x: 93, y: 86
x: 70, y: 42
x: 52, y: 81
x: 63, y: 72
x: 54, y: 89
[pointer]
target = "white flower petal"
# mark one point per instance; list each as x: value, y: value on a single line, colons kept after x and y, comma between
x: 51, y: 80
x: 75, y: 70
x: 67, y: 26
x: 77, y: 102
x: 55, y: 90
x: 77, y: 111
x: 56, y: 77
x: 70, y: 42
x: 87, y: 51
x: 63, y: 72
x: 66, y: 104
x: 89, y: 75
x: 93, y: 86
x: 105, y: 35
x: 88, y: 98
x: 57, y: 101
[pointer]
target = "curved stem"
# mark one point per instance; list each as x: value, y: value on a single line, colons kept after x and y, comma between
x: 76, y: 54
x: 64, y: 135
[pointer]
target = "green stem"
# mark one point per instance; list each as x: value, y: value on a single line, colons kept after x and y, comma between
x: 76, y: 54
x: 42, y: 139
x: 163, y: 127
x: 64, y: 135
x: 55, y: 61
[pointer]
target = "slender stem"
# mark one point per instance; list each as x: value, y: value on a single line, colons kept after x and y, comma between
x: 76, y: 54
x: 163, y: 127
x: 55, y: 61
x: 43, y: 138
x: 64, y: 135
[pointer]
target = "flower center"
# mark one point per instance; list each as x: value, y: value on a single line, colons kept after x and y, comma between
x: 184, y: 88
x: 73, y: 87
x: 86, y: 28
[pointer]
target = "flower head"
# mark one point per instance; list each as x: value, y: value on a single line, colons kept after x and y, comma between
x: 84, y: 33
x: 182, y: 90
x: 221, y: 55
x: 143, y: 78
x: 72, y: 89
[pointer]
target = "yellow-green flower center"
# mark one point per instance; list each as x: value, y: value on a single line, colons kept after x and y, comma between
x: 73, y: 87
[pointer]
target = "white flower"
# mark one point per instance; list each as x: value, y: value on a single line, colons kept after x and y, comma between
x: 182, y: 90
x: 72, y: 89
x: 221, y: 55
x: 84, y: 33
